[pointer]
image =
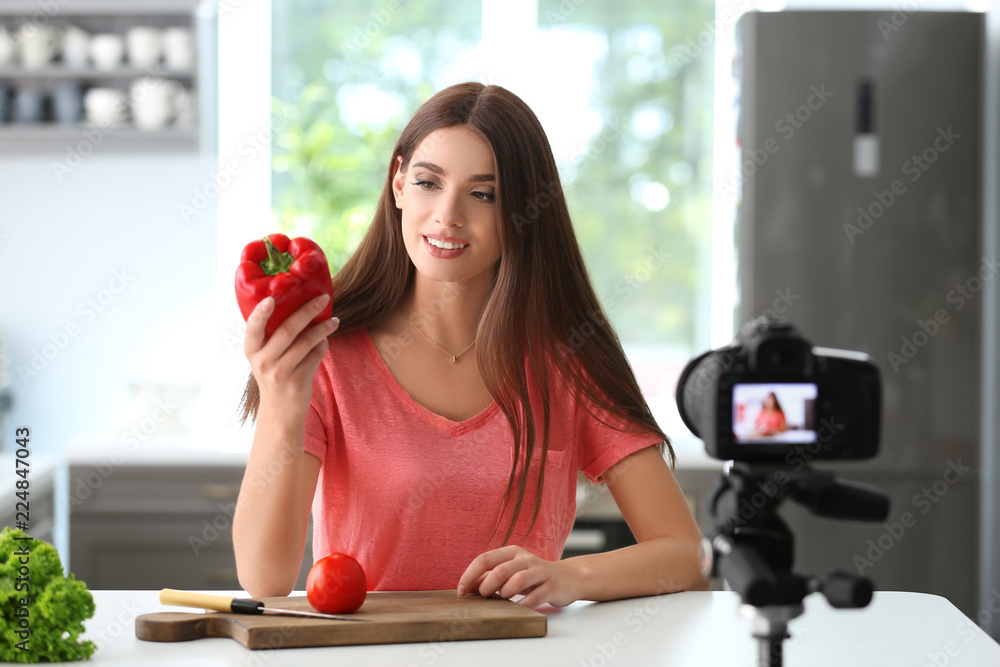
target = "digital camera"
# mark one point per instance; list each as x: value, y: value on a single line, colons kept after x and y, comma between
x: 771, y: 397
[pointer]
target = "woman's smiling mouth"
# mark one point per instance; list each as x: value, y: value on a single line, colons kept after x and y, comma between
x: 445, y: 243
x: 444, y: 249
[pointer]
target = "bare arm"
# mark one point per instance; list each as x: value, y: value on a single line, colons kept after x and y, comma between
x: 272, y: 513
x: 664, y: 560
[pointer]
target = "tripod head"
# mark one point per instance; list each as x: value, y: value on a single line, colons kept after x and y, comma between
x: 752, y: 548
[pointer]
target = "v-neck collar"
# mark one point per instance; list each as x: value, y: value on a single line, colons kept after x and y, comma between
x: 433, y: 418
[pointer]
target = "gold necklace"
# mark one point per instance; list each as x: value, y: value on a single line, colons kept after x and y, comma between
x: 454, y: 357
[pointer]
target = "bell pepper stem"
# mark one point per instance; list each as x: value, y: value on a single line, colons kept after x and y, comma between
x: 277, y: 261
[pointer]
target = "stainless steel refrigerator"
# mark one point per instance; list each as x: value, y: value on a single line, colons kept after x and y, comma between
x: 860, y: 219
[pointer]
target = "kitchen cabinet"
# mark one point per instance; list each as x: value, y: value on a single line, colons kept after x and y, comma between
x: 167, y: 525
x: 40, y: 123
x: 156, y: 526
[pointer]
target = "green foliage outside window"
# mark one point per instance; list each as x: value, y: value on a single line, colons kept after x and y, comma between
x: 640, y: 195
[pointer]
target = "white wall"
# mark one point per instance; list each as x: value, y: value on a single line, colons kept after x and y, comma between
x: 62, y: 243
x: 175, y: 320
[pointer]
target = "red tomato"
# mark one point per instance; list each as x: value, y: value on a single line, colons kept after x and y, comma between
x: 336, y: 584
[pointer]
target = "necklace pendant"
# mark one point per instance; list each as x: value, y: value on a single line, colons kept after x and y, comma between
x: 454, y: 357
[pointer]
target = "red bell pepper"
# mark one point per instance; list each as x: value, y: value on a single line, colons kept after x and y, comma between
x: 293, y: 271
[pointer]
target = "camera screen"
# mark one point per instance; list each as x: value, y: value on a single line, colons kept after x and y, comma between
x: 774, y: 412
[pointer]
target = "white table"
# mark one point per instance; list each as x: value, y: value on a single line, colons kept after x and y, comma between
x: 702, y: 629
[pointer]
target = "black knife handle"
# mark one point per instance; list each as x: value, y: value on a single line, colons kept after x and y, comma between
x: 243, y: 606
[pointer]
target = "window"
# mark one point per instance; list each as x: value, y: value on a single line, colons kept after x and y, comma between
x: 347, y: 76
x: 625, y: 95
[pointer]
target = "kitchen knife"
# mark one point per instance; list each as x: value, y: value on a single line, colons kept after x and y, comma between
x: 170, y: 596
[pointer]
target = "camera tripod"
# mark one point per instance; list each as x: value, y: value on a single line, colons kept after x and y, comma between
x: 752, y: 548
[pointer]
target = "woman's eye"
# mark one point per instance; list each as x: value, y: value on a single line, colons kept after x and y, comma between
x: 484, y: 196
x: 424, y: 184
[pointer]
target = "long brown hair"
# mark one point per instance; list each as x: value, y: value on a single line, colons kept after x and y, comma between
x: 542, y: 308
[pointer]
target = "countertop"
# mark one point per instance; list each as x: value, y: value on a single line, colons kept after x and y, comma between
x: 696, y: 628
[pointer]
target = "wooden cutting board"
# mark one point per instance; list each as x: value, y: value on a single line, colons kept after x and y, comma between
x: 395, y: 618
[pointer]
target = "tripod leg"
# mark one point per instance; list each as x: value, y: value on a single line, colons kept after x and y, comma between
x: 770, y: 651
x: 770, y: 629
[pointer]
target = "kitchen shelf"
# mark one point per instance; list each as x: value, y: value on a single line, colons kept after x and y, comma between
x: 98, y: 7
x: 66, y: 138
x: 92, y: 73
x: 117, y: 17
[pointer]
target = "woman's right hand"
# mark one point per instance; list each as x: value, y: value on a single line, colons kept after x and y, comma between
x: 285, y: 363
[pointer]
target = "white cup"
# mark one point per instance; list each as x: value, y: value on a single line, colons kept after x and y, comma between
x: 106, y: 50
x: 105, y: 105
x: 144, y: 46
x: 76, y: 47
x: 178, y: 48
x: 7, y: 50
x: 154, y: 102
x: 39, y: 44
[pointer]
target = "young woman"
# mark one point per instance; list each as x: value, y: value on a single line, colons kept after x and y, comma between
x: 771, y: 418
x: 437, y: 425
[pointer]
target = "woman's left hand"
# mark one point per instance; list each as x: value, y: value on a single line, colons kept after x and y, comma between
x: 511, y: 571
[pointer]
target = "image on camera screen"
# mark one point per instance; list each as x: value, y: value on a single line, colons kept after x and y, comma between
x: 774, y: 412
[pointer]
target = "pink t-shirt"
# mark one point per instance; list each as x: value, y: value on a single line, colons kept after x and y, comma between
x: 412, y: 495
x: 770, y: 421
